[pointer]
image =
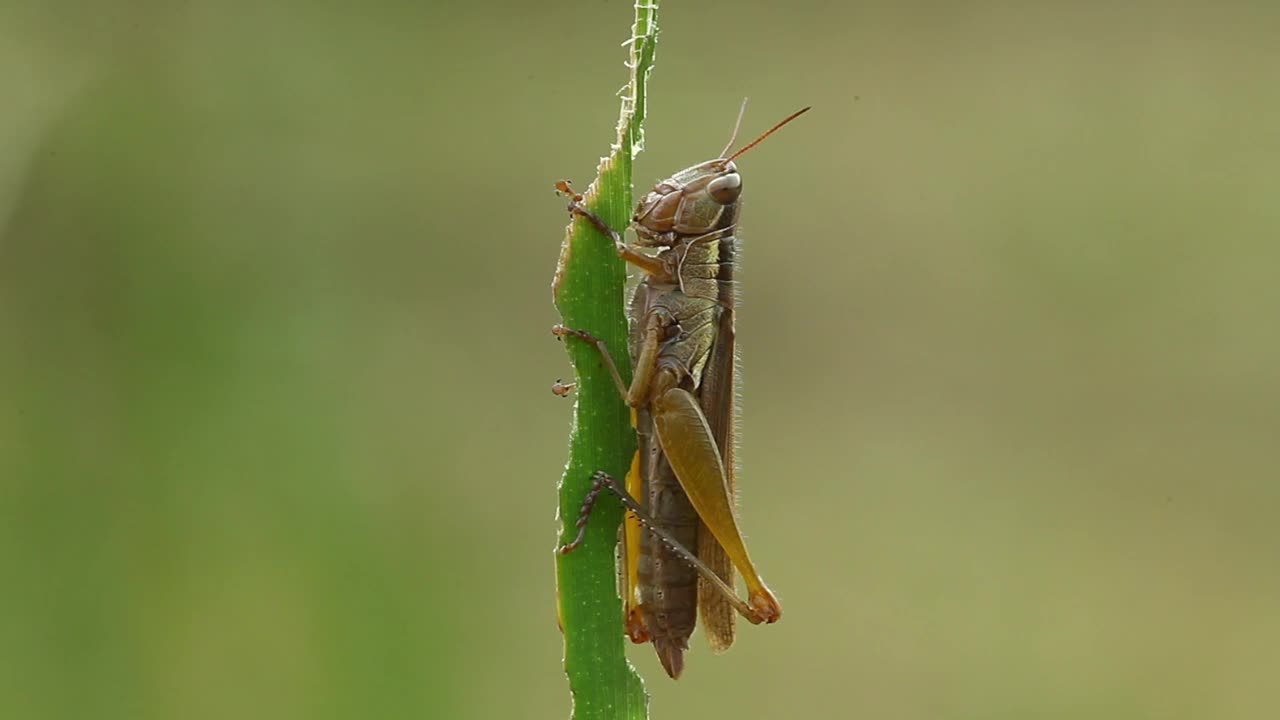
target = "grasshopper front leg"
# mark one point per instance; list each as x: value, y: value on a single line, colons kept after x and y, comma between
x: 648, y: 263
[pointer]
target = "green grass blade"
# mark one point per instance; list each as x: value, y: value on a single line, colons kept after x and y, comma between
x: 588, y: 291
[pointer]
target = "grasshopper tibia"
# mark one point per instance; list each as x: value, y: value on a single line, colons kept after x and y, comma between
x: 601, y: 480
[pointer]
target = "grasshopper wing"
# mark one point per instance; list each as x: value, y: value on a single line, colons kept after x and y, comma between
x: 719, y: 389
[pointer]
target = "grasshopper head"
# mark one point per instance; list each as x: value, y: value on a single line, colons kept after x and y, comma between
x: 694, y: 201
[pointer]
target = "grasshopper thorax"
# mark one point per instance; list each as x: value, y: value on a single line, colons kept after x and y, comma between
x: 694, y: 201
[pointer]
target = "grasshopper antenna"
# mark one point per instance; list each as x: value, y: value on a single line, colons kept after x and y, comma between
x: 768, y: 132
x: 734, y: 137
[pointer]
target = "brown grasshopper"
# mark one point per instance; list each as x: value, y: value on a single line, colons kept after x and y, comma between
x: 682, y: 484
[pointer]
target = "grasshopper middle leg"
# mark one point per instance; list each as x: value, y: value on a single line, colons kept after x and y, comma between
x: 562, y: 331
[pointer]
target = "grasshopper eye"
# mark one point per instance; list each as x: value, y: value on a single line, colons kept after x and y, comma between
x: 726, y: 188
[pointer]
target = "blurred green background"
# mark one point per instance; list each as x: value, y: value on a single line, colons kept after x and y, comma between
x: 276, y: 439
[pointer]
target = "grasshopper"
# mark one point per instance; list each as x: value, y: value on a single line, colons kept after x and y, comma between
x: 682, y: 483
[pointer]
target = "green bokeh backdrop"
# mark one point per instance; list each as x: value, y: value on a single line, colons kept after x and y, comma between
x: 276, y: 439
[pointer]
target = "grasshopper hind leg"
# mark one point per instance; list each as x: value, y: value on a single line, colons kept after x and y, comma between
x: 602, y: 481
